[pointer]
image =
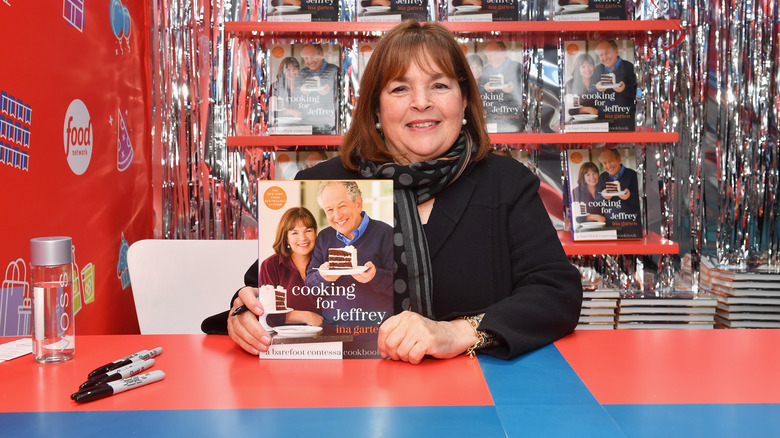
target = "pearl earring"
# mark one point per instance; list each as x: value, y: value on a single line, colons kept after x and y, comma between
x: 463, y: 122
x: 378, y: 126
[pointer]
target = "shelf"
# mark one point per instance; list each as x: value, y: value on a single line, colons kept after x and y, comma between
x: 330, y: 27
x: 643, y: 136
x: 651, y: 244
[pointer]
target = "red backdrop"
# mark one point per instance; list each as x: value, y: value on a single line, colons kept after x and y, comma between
x: 75, y: 150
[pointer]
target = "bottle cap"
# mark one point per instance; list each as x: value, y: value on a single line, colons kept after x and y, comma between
x: 51, y: 251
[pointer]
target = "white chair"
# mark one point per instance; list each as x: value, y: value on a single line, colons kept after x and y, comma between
x: 178, y: 283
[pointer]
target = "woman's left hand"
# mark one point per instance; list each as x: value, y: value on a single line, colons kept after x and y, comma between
x: 410, y: 336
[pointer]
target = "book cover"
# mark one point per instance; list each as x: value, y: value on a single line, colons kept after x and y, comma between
x: 589, y: 10
x: 498, y: 68
x: 483, y: 10
x: 304, y: 91
x: 288, y: 163
x: 599, y: 86
x: 303, y: 10
x: 604, y: 194
x: 394, y: 10
x: 347, y: 285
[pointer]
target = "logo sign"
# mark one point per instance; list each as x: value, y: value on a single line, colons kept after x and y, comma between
x: 77, y: 137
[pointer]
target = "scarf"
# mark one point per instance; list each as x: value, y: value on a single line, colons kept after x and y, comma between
x: 414, y: 184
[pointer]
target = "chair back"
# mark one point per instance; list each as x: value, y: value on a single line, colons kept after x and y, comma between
x: 178, y: 283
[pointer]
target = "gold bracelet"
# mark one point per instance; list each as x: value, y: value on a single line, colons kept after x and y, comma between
x: 484, y: 339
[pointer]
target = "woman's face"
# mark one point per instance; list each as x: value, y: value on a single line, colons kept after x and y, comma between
x: 586, y: 69
x: 421, y: 114
x: 591, y: 177
x: 301, y: 239
x: 291, y: 72
x: 476, y: 70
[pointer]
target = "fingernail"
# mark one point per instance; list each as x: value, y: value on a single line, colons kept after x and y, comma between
x: 265, y: 340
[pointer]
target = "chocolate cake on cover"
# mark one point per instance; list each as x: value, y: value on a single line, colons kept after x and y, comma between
x: 607, y: 79
x: 612, y: 187
x: 342, y: 258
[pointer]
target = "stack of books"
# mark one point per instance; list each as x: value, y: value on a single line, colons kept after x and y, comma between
x: 666, y: 310
x: 747, y: 297
x: 598, y: 309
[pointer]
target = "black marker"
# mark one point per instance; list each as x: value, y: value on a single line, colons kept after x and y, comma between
x: 110, y: 388
x: 119, y: 373
x: 127, y: 360
x: 239, y: 310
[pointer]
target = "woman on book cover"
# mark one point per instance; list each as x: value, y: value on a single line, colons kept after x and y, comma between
x: 478, y: 264
x: 587, y: 193
x: 286, y: 267
x: 283, y: 90
x: 582, y: 85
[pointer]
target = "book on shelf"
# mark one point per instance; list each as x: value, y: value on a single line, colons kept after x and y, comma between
x: 752, y: 316
x: 595, y: 326
x: 668, y: 317
x: 770, y: 287
x: 737, y: 274
x: 722, y: 290
x: 597, y: 319
x: 302, y: 10
x: 601, y: 293
x: 304, y: 90
x: 723, y: 322
x: 589, y: 10
x: 599, y: 303
x: 593, y: 311
x: 748, y: 308
x: 498, y: 68
x: 604, y: 194
x: 288, y: 163
x: 744, y: 299
x: 483, y: 10
x: 670, y: 298
x: 394, y: 10
x: 664, y: 325
x: 600, y: 86
x: 628, y: 309
x: 351, y: 310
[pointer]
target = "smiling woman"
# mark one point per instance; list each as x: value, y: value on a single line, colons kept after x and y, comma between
x: 477, y: 264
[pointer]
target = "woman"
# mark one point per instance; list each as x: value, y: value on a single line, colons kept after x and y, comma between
x: 492, y: 275
x: 582, y: 85
x: 587, y: 181
x: 293, y: 245
x: 283, y: 91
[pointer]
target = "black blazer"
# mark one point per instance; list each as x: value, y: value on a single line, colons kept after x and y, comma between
x: 494, y: 250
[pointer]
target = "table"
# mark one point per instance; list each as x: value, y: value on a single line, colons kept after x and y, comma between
x: 612, y: 383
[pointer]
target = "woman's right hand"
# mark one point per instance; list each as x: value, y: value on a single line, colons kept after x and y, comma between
x: 245, y: 328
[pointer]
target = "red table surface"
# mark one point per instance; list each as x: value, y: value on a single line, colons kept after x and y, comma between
x: 677, y: 366
x: 209, y: 372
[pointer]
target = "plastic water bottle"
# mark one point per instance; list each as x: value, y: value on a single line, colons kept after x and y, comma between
x: 53, y: 330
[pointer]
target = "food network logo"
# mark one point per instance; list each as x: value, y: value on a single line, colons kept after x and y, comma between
x: 77, y: 137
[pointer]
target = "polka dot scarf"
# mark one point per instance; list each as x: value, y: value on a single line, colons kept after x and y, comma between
x: 414, y: 184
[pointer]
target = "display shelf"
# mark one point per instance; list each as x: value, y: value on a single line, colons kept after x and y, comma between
x: 641, y: 136
x: 331, y: 27
x: 651, y: 244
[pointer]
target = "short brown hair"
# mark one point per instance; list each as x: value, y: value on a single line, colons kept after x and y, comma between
x: 409, y: 42
x: 290, y: 220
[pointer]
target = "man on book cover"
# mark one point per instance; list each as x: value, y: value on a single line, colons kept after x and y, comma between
x: 619, y: 103
x: 622, y: 209
x: 318, y: 80
x: 371, y: 290
x: 502, y: 81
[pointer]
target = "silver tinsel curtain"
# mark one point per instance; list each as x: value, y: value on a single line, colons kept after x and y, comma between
x: 715, y: 82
